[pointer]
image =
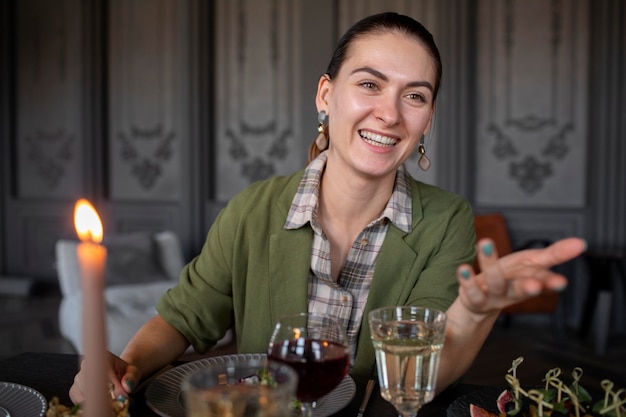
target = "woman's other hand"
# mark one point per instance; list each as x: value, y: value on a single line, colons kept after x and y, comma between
x: 123, y: 376
x: 515, y: 277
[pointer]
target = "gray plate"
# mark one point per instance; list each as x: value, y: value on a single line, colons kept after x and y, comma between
x: 21, y: 401
x: 164, y: 395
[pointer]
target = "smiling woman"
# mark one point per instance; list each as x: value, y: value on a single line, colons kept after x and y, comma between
x: 351, y: 232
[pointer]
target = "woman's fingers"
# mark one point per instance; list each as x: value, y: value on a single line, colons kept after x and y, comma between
x: 557, y: 253
x: 515, y: 277
x: 470, y: 292
x: 491, y: 280
x: 530, y: 269
x: 117, y: 368
x: 76, y: 390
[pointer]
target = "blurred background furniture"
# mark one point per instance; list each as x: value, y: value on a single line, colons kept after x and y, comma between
x: 493, y: 225
x: 141, y: 267
x: 604, y: 305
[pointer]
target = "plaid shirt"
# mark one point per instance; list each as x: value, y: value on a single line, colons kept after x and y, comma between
x: 346, y: 298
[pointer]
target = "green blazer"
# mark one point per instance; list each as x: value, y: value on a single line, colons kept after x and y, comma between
x: 251, y: 271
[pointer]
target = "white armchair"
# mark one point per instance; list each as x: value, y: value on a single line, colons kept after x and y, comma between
x: 140, y: 268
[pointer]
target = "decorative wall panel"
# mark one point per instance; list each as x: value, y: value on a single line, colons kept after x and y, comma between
x: 48, y: 98
x: 148, y: 98
x: 131, y: 218
x: 258, y: 101
x: 34, y: 230
x: 532, y: 113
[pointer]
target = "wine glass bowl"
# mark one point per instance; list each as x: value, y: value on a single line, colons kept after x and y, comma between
x: 408, y: 342
x: 315, y: 346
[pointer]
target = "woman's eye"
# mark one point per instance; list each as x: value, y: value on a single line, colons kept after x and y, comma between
x: 369, y: 85
x: 417, y: 97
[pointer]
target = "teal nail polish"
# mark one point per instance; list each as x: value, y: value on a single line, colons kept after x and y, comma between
x: 465, y: 274
x: 130, y: 384
x: 487, y: 249
x: 534, y: 293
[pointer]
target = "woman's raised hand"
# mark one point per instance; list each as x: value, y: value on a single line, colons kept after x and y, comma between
x: 515, y: 277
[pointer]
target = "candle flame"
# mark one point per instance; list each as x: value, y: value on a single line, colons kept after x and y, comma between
x: 87, y: 222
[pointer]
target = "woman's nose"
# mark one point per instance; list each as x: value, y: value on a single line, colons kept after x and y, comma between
x: 387, y: 110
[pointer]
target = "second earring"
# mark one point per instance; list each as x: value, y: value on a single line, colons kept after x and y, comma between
x: 322, y: 138
x: 423, y: 162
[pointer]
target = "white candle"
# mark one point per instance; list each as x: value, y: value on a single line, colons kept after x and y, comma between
x: 92, y: 261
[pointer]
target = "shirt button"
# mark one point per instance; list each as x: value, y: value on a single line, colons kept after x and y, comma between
x: 364, y: 241
x: 344, y: 299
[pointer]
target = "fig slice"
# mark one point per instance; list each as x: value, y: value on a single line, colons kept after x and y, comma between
x: 478, y: 411
x: 505, y: 398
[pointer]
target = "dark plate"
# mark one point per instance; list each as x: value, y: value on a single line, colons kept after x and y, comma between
x: 485, y: 398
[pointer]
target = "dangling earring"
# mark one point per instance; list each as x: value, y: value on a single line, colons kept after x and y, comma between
x: 322, y: 140
x: 423, y: 162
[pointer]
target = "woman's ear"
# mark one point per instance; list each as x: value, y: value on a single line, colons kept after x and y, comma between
x: 430, y: 121
x: 324, y: 87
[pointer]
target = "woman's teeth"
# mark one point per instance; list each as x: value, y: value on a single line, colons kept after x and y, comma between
x: 377, y: 140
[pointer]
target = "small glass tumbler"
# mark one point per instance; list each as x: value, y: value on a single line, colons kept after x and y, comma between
x: 240, y: 388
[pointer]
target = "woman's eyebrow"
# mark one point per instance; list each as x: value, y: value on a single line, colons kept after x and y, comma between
x: 383, y: 77
x: 372, y: 71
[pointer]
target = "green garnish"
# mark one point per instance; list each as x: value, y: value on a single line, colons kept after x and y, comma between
x: 557, y: 396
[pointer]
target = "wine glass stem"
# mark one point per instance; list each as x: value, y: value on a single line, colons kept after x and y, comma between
x: 306, y: 409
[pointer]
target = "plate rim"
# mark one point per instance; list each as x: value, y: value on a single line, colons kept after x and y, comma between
x: 176, y: 374
x: 487, y: 392
x: 35, y: 395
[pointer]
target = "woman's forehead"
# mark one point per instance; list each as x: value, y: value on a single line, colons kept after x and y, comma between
x: 390, y: 49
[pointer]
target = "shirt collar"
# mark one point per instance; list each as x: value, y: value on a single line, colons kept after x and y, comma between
x: 304, y: 204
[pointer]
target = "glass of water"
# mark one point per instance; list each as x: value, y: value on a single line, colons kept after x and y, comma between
x: 408, y: 342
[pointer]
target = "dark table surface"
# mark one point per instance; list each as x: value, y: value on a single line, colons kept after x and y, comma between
x: 52, y: 375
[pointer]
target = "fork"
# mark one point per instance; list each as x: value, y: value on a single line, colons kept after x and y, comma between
x: 366, y: 397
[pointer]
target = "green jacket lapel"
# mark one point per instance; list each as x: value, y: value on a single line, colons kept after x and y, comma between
x: 290, y: 259
x: 397, y: 270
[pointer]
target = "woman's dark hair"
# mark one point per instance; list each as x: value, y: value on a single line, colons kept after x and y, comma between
x: 386, y: 22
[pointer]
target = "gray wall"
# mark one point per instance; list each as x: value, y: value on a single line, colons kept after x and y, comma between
x: 159, y: 111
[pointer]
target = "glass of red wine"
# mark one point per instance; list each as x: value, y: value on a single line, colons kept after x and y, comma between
x: 316, y: 347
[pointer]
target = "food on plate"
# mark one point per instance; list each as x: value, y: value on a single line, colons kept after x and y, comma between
x: 119, y: 408
x: 556, y: 398
x: 262, y: 377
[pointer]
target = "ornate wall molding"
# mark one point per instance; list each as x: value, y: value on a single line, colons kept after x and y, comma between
x: 257, y: 60
x: 48, y: 95
x: 146, y: 161
x: 148, y: 98
x: 532, y: 87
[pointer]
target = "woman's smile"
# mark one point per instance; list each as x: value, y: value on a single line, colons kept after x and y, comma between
x: 376, y: 139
